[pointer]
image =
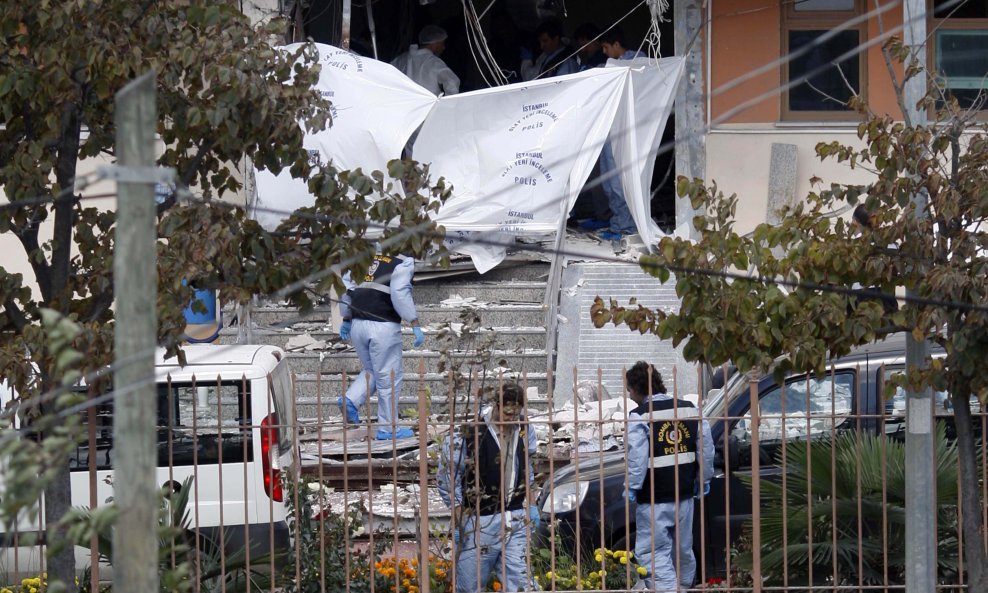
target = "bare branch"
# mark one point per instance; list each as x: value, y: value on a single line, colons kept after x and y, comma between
x: 14, y: 314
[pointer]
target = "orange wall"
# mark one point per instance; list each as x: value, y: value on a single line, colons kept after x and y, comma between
x: 746, y: 37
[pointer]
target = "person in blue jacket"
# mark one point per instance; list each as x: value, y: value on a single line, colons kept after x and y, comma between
x: 373, y: 311
x: 486, y: 477
x: 667, y: 439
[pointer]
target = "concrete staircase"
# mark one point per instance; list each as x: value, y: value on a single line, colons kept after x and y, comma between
x: 502, y: 331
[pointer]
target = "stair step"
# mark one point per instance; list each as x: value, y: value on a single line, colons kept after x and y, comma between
x: 527, y: 315
x: 307, y: 409
x: 418, y: 361
x: 328, y: 387
x: 522, y: 291
x: 505, y: 271
x: 504, y: 338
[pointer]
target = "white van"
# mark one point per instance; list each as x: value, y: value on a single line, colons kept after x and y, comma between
x: 226, y: 419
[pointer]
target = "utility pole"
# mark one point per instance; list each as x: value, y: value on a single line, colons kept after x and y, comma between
x: 920, y: 495
x: 691, y: 156
x: 135, y: 337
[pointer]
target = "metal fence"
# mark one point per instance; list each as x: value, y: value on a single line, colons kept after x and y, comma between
x: 263, y: 493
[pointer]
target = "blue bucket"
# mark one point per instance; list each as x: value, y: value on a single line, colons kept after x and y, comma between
x: 202, y: 326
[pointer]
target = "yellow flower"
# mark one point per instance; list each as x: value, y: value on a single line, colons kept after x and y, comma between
x: 598, y: 558
x: 642, y: 571
x: 623, y: 560
x: 548, y: 575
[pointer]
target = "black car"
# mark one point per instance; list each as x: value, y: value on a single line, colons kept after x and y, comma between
x: 583, y: 503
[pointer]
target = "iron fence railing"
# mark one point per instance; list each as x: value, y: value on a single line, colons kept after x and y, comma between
x: 265, y: 493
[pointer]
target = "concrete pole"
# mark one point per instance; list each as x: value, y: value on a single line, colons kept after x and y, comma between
x: 345, y: 33
x: 135, y: 333
x: 920, y: 485
x: 691, y: 155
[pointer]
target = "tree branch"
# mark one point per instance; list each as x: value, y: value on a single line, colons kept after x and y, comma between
x: 28, y: 237
x: 15, y: 314
x: 65, y: 169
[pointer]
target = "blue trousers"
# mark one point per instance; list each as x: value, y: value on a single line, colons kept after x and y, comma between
x: 655, y: 549
x: 378, y: 345
x: 498, y: 543
x: 621, y: 220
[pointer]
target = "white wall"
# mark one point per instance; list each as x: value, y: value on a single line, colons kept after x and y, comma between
x: 738, y: 159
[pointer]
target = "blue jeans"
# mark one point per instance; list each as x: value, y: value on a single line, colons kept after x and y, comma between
x: 491, y: 546
x: 655, y: 535
x: 378, y: 345
x: 621, y: 220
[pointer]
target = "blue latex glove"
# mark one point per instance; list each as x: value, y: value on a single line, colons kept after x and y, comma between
x: 534, y: 516
x: 345, y: 330
x: 419, y: 336
x: 701, y: 492
x: 456, y: 536
x: 630, y: 496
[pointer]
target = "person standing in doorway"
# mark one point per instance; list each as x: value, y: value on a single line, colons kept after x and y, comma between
x: 556, y: 58
x: 589, y: 53
x: 372, y: 312
x: 486, y: 477
x: 423, y: 64
x: 667, y: 442
x: 622, y: 223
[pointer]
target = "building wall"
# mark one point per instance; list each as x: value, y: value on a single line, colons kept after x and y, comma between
x: 745, y: 104
x: 745, y: 69
x: 739, y: 160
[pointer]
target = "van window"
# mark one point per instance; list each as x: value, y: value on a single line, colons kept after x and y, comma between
x: 806, y: 407
x: 198, y: 423
x: 895, y: 407
x: 283, y: 396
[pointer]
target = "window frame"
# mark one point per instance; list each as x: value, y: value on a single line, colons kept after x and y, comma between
x: 956, y: 24
x: 166, y: 426
x: 793, y: 20
x: 832, y: 373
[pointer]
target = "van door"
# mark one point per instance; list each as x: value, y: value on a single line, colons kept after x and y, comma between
x: 203, y: 432
x: 806, y: 407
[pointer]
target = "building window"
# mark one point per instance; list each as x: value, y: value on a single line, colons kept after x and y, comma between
x: 826, y: 65
x: 960, y: 49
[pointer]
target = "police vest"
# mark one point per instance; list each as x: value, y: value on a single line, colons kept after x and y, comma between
x: 482, y: 479
x: 371, y: 299
x: 674, y: 438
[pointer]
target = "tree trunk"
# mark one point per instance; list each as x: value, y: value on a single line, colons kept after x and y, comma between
x: 972, y: 526
x: 60, y: 565
x: 58, y: 500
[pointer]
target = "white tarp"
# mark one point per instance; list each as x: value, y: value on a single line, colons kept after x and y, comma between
x: 637, y: 132
x: 375, y: 109
x: 517, y: 155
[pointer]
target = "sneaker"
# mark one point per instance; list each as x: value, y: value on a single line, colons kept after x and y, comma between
x: 352, y: 415
x: 610, y: 235
x: 401, y: 433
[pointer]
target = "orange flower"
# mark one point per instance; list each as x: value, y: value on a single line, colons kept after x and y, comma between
x: 497, y: 586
